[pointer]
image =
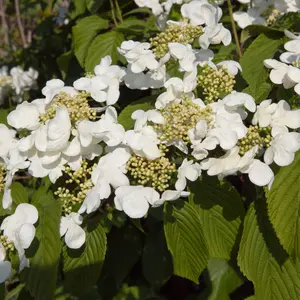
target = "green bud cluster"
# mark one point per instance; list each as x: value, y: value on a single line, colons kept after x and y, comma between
x: 256, y: 136
x: 271, y: 14
x: 8, y: 245
x: 154, y: 173
x: 296, y: 64
x: 2, y: 177
x: 78, y: 107
x: 174, y: 33
x: 75, y: 187
x: 5, y: 80
x: 215, y: 83
x: 179, y: 119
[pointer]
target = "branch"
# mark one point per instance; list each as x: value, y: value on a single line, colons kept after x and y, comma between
x: 20, y: 25
x: 238, y: 47
x: 4, y: 23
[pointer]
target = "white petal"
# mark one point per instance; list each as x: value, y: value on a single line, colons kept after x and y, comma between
x: 135, y: 207
x: 5, y: 270
x: 75, y: 236
x: 25, y: 235
x: 260, y: 174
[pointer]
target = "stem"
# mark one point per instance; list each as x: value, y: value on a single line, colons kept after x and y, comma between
x: 119, y: 11
x: 4, y: 23
x: 20, y: 25
x: 238, y: 47
x: 113, y: 12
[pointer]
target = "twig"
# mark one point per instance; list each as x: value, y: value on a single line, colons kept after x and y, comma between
x: 238, y: 47
x: 119, y: 11
x: 20, y: 25
x: 113, y: 12
x: 4, y: 23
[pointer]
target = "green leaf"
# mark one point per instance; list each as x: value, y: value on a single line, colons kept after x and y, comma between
x: 223, y: 280
x: 104, y: 44
x: 255, y: 30
x: 64, y: 62
x: 252, y: 62
x: 288, y: 20
x: 225, y: 53
x: 156, y: 260
x: 125, y: 115
x: 83, y: 34
x: 135, y: 293
x: 263, y: 260
x: 284, y: 207
x: 19, y: 193
x: 82, y: 266
x: 221, y: 211
x: 15, y: 293
x: 124, y: 250
x: 134, y: 26
x: 94, y: 5
x: 261, y: 93
x: 3, y: 116
x: 185, y: 240
x: 78, y: 8
x: 44, y: 252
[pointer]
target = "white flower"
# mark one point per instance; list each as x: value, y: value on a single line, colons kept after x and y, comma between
x: 283, y: 148
x: 143, y: 142
x: 170, y: 195
x: 70, y: 227
x: 184, y: 54
x: 143, y: 117
x: 7, y: 140
x: 284, y: 118
x: 111, y: 172
x: 235, y: 100
x: 215, y: 34
x: 200, y: 149
x: 54, y: 87
x: 135, y: 200
x: 139, y: 56
x: 91, y: 202
x: 264, y: 112
x: 188, y: 170
x: 19, y: 229
x: 201, y: 12
x: 232, y: 66
x: 104, y: 87
x: 154, y: 5
x: 252, y: 16
x: 25, y: 116
x: 5, y: 266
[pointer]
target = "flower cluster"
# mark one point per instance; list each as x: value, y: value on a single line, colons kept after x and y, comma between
x: 16, y: 82
x: 198, y: 125
x: 264, y: 12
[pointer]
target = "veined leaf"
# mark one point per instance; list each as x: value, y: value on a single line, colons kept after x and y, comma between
x: 252, y: 62
x: 82, y: 266
x: 83, y: 34
x: 221, y: 212
x: 104, y: 44
x: 44, y: 252
x: 261, y: 93
x: 185, y: 240
x: 263, y: 260
x: 284, y: 206
x: 125, y: 115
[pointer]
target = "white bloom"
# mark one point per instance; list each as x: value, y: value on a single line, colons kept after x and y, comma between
x: 91, y: 202
x: 104, y: 87
x: 135, y: 200
x: 264, y: 112
x: 5, y: 266
x: 232, y: 66
x: 235, y: 100
x: 184, y: 54
x: 143, y: 117
x: 143, y: 142
x: 252, y: 16
x: 54, y: 87
x: 70, y: 227
x: 25, y: 116
x: 188, y: 170
x: 283, y: 148
x: 170, y: 195
x: 7, y: 140
x: 154, y: 5
x: 19, y: 229
x: 111, y: 172
x: 139, y: 56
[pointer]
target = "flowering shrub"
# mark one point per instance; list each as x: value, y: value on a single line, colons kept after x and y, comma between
x: 172, y: 153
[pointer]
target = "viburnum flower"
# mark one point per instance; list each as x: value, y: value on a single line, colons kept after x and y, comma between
x: 264, y: 113
x: 184, y: 54
x: 139, y: 56
x: 142, y: 117
x: 283, y: 148
x: 5, y: 266
x: 70, y: 228
x: 135, y: 200
x: 154, y: 5
x: 170, y: 195
x: 7, y: 141
x: 111, y: 171
x: 188, y: 170
x: 215, y: 34
x: 251, y: 16
x: 19, y: 229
